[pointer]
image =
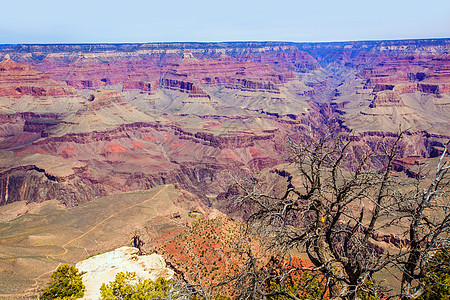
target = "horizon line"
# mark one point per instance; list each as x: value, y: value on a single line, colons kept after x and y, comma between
x: 227, y: 42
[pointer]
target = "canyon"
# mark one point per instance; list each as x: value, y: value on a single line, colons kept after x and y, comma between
x: 82, y: 122
x: 139, y: 115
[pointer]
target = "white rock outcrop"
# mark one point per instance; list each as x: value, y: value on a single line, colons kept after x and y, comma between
x: 103, y: 268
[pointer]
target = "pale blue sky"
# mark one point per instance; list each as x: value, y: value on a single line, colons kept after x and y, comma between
x: 112, y: 21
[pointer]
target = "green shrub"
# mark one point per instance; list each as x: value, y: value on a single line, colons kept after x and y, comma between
x: 438, y: 278
x: 127, y: 286
x: 66, y: 284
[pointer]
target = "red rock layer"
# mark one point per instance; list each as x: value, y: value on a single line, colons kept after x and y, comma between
x: 440, y: 70
x: 251, y: 68
x: 387, y: 99
x: 427, y: 74
x: 189, y: 74
x: 17, y: 80
x: 106, y: 99
x: 94, y: 70
x: 143, y: 80
x: 291, y: 59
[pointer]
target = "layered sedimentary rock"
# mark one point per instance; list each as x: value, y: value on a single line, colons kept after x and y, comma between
x: 123, y: 149
x: 387, y: 99
x: 433, y: 88
x: 144, y: 155
x: 425, y: 73
x: 395, y: 87
x: 23, y: 89
x: 440, y: 69
x: 407, y: 164
x: 189, y: 74
x: 198, y: 115
x: 94, y: 70
x: 139, y: 69
x: 291, y: 59
x: 103, y: 110
x: 39, y: 177
x: 143, y: 81
x: 17, y: 80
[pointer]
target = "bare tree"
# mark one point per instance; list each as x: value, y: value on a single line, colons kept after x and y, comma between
x: 425, y: 210
x: 347, y: 198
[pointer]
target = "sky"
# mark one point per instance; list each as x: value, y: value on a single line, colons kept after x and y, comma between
x: 140, y: 21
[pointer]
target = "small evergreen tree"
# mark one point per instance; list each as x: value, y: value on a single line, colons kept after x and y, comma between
x: 66, y: 284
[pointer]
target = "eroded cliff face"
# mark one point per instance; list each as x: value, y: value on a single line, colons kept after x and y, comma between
x: 140, y: 67
x: 416, y: 72
x: 32, y: 184
x: 189, y: 74
x: 143, y: 155
x: 78, y: 122
x: 397, y: 87
x: 35, y: 177
x: 17, y: 80
x: 114, y: 153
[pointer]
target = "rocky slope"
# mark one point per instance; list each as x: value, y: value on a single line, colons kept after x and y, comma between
x: 33, y: 245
